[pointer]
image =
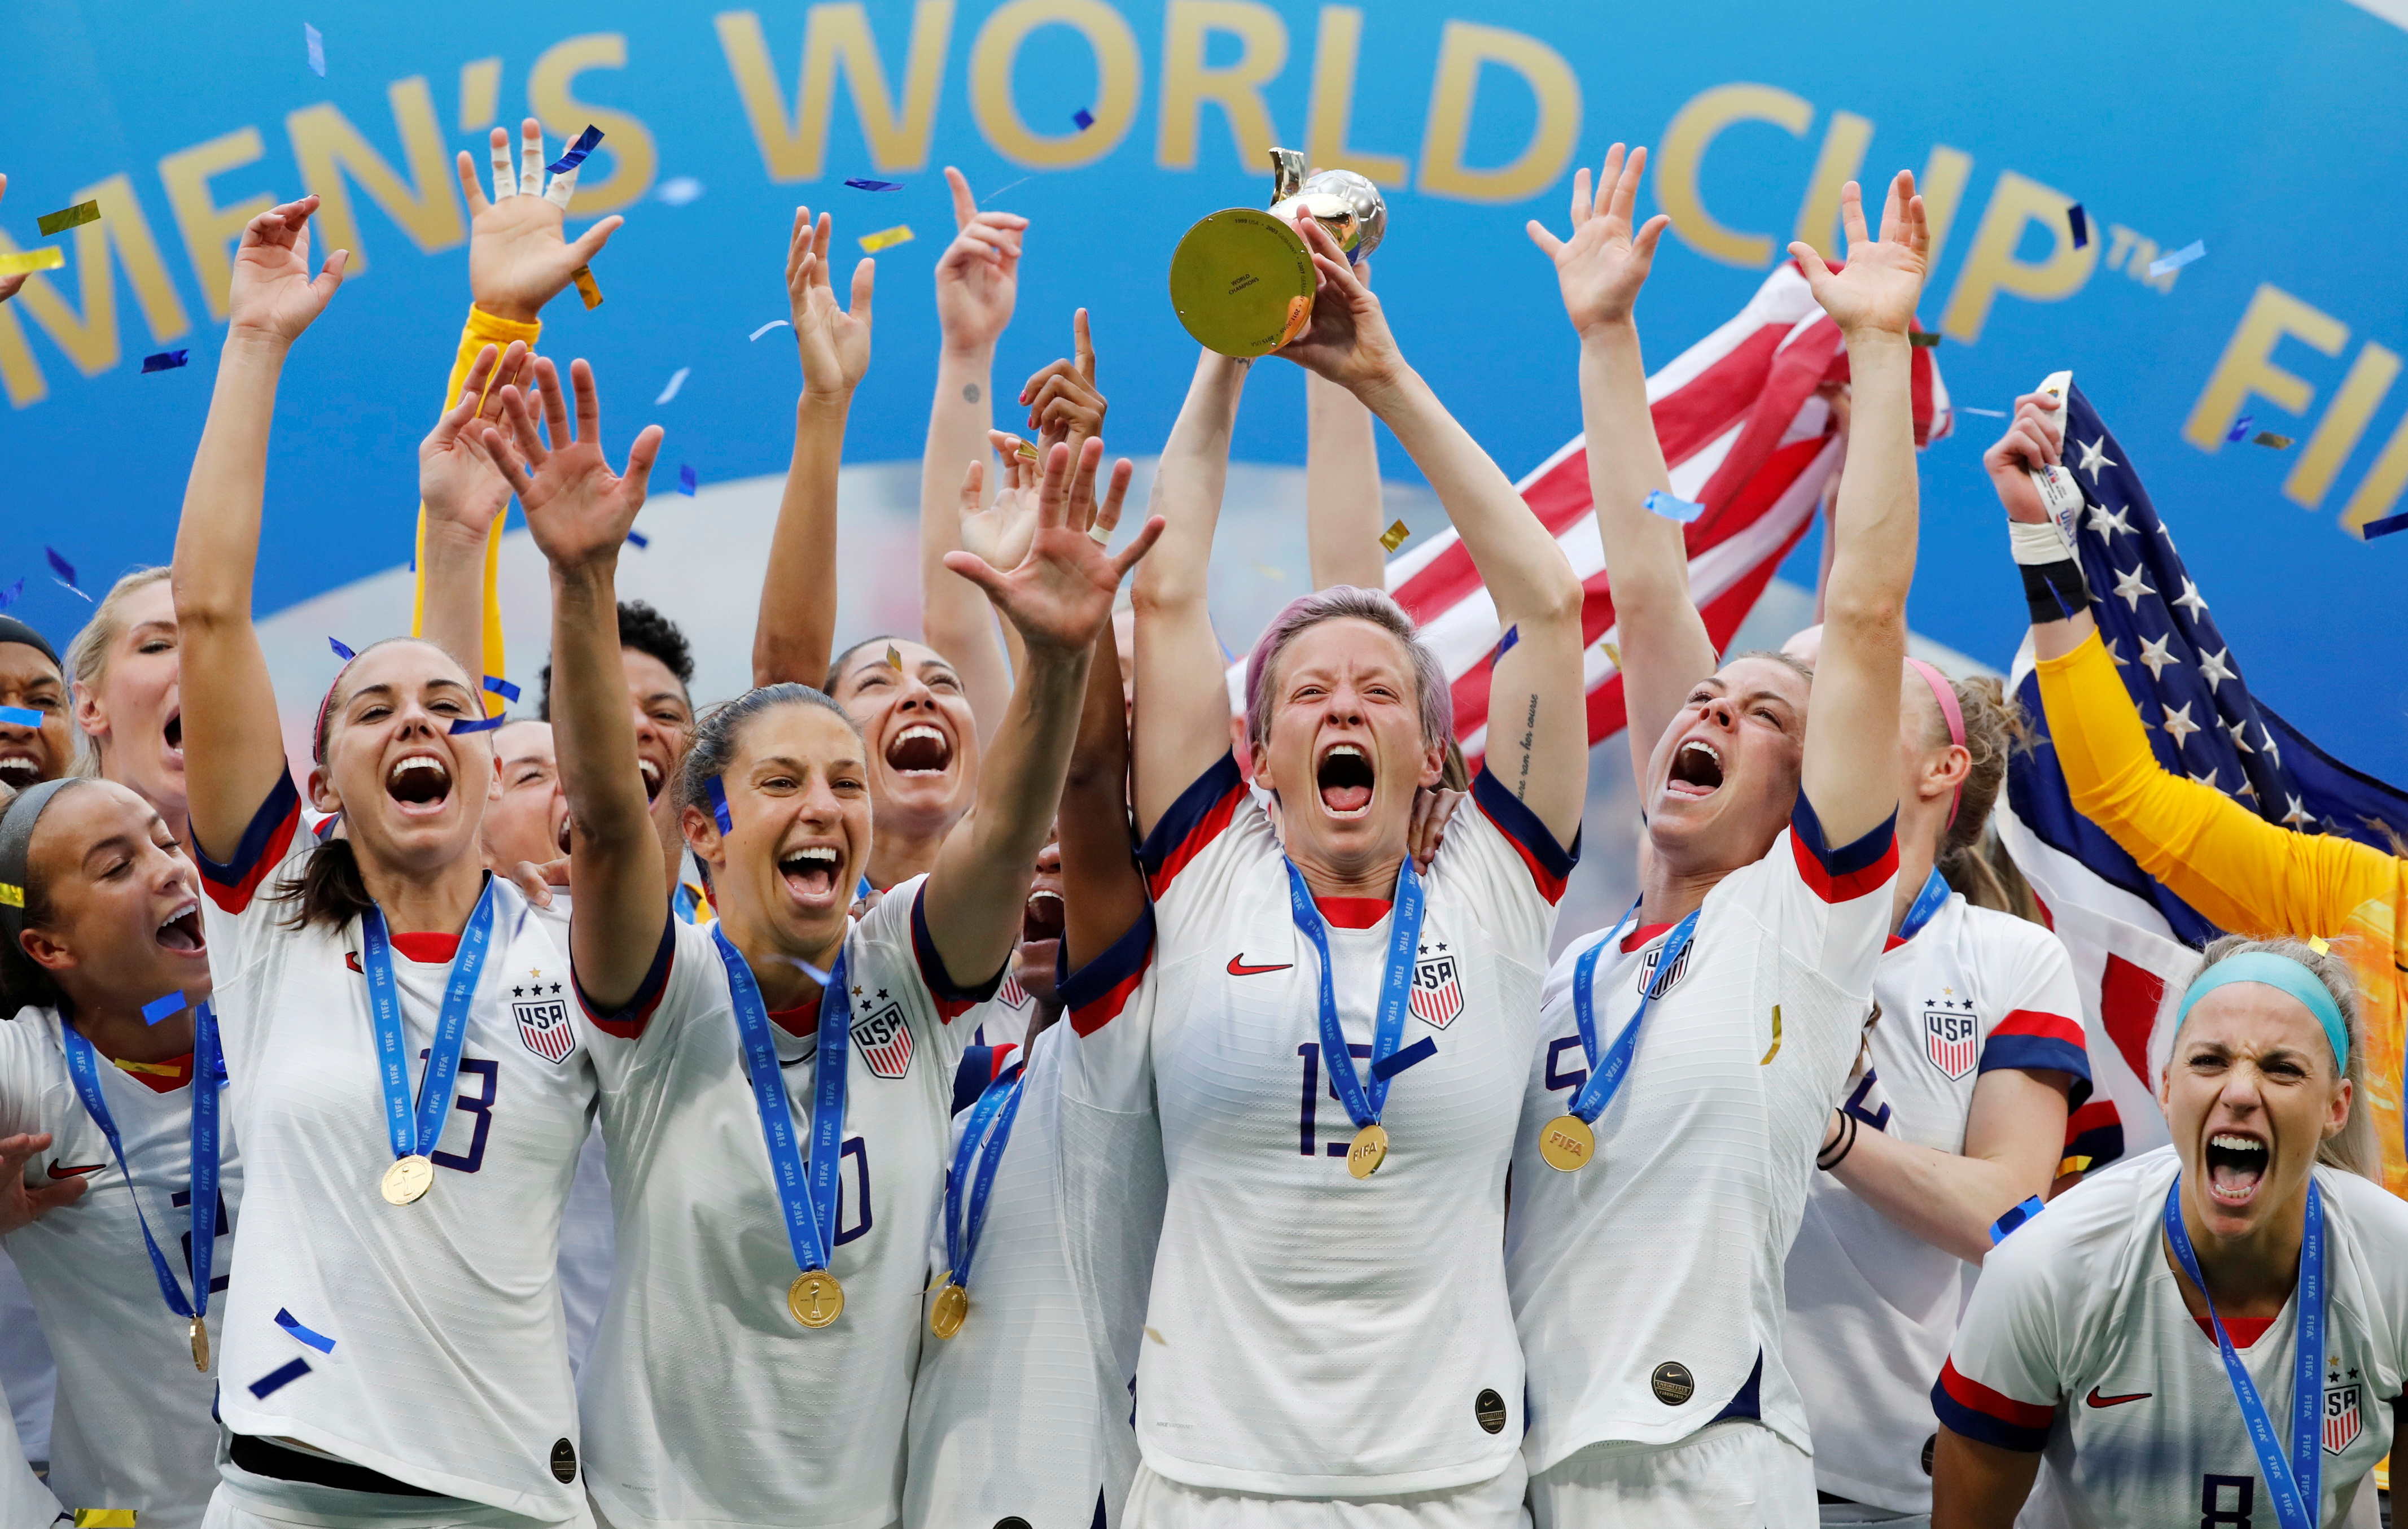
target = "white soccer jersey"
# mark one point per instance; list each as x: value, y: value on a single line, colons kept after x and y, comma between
x: 586, y: 1235
x: 1648, y: 1285
x: 1026, y: 1412
x: 24, y: 1502
x: 1873, y: 1306
x: 130, y: 1427
x: 2076, y: 1343
x: 1004, y: 1019
x: 449, y: 1365
x: 705, y: 1400
x: 28, y: 1375
x: 1320, y: 1335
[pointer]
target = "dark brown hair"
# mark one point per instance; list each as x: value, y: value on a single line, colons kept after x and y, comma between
x: 23, y: 982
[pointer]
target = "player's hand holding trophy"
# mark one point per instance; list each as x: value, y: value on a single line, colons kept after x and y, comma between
x: 1242, y: 280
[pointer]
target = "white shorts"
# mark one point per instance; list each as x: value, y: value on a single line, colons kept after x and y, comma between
x: 287, y: 1505
x: 1156, y: 1501
x: 1737, y: 1475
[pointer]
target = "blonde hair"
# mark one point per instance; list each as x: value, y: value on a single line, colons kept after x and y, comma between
x: 2353, y: 1148
x: 1969, y: 857
x: 87, y: 658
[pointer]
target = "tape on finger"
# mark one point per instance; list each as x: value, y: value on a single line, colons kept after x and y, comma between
x: 505, y: 179
x: 563, y: 187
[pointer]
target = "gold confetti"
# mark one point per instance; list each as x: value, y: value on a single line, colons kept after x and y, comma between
x: 1155, y: 1333
x: 2074, y: 1166
x: 1613, y: 654
x: 1923, y: 338
x: 2318, y: 945
x: 49, y: 257
x: 1776, y: 1038
x: 886, y: 237
x: 2267, y: 437
x: 1029, y: 451
x: 1393, y: 537
x: 895, y: 657
x: 1269, y: 572
x: 586, y: 286
x: 68, y: 217
x: 103, y: 1518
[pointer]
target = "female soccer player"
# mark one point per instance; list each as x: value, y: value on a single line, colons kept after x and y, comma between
x: 407, y: 1086
x: 1649, y: 1220
x: 745, y: 1376
x: 109, y: 1103
x: 2214, y: 1335
x: 1334, y: 1345
x: 1955, y: 1113
x: 125, y: 667
x: 34, y: 735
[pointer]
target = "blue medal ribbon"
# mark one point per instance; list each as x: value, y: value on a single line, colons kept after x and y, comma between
x: 2297, y: 1484
x: 806, y: 1193
x: 83, y: 1069
x: 415, y: 1135
x: 998, y: 1105
x: 1926, y: 903
x: 1607, y: 1076
x: 1363, y: 1106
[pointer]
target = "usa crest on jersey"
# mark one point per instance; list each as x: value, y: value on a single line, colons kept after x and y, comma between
x: 1437, y: 995
x: 543, y: 1016
x: 1672, y: 978
x: 2343, y: 1423
x: 1952, y: 1037
x: 885, y: 1041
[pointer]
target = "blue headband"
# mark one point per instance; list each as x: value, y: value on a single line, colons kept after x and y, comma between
x: 2282, y: 973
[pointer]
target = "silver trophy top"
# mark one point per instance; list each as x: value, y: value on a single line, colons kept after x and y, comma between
x: 1347, y: 204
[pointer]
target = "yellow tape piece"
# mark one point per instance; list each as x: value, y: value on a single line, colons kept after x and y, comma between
x: 1613, y: 654
x: 11, y: 897
x: 1393, y: 537
x: 587, y: 287
x: 49, y: 257
x: 1766, y: 1061
x: 103, y: 1518
x: 2075, y: 1165
x: 1156, y: 1335
x: 68, y: 217
x: 895, y: 657
x: 2267, y: 437
x: 2317, y: 945
x: 886, y: 237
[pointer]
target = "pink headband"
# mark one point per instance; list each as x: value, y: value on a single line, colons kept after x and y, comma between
x: 1945, y: 694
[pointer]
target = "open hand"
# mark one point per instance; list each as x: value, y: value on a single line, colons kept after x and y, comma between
x: 2035, y: 439
x: 978, y: 276
x: 1601, y: 268
x: 1001, y: 532
x: 21, y: 1205
x: 458, y: 482
x: 1059, y: 595
x: 8, y: 284
x: 577, y: 509
x: 1876, y: 292
x: 518, y: 259
x: 1062, y: 400
x: 273, y: 294
x: 1347, y: 340
x: 834, y: 343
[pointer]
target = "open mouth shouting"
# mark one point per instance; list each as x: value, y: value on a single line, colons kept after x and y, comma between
x: 1040, y: 917
x: 419, y: 783
x: 1696, y: 770
x: 811, y: 874
x: 175, y: 733
x: 920, y: 749
x: 1343, y: 780
x: 653, y: 776
x: 180, y: 930
x: 2236, y: 1163
x: 20, y: 770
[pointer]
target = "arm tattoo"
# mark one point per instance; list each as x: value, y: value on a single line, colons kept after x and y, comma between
x: 1529, y: 728
x: 970, y: 393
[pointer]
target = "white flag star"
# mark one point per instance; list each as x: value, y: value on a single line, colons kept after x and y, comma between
x: 2299, y: 817
x: 2240, y: 740
x: 2215, y: 671
x: 2153, y: 653
x: 2178, y: 725
x: 2106, y: 523
x: 2094, y: 456
x: 2208, y: 779
x: 2191, y: 600
x: 2132, y: 587
x: 2274, y: 749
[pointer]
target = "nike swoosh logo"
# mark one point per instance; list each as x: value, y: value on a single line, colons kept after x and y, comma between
x: 57, y: 1171
x: 1238, y: 967
x: 2097, y: 1400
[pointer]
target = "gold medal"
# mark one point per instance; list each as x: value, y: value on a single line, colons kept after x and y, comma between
x: 815, y: 1298
x: 1567, y: 1144
x: 952, y: 1305
x: 1370, y: 1150
x: 200, y: 1346
x: 408, y: 1180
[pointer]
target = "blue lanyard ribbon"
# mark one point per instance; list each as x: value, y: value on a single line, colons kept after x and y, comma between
x: 806, y: 1193
x: 1396, y: 985
x: 417, y: 1134
x: 1926, y: 903
x: 1606, y: 1076
x: 2296, y: 1484
x: 83, y: 1069
x: 997, y: 1106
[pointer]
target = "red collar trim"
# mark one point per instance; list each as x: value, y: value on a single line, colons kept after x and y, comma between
x: 1891, y: 943
x: 1641, y: 935
x: 159, y: 1076
x: 2243, y: 1331
x: 800, y: 1020
x: 1353, y: 912
x: 428, y: 949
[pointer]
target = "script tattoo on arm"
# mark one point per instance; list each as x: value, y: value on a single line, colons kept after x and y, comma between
x: 1529, y: 730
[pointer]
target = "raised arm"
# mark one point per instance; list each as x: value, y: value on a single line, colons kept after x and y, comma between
x: 977, y: 284
x: 1058, y: 597
x: 1538, y: 711
x: 1183, y: 702
x: 1663, y: 641
x: 234, y: 747
x: 1850, y: 771
x: 1344, y: 516
x: 1102, y: 891
x: 796, y: 628
x: 461, y: 495
x: 579, y: 512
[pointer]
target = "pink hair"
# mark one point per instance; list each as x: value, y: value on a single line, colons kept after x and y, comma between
x: 1342, y: 603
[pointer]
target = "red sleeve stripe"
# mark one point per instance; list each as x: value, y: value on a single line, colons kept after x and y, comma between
x: 1848, y: 873
x: 2030, y: 1041
x: 952, y: 1000
x: 2039, y: 1023
x: 628, y: 1021
x: 264, y: 844
x: 1550, y: 864
x: 1974, y: 1410
x: 1095, y: 994
x: 1198, y: 816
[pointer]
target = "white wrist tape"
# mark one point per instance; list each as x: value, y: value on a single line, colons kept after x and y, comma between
x: 2037, y: 545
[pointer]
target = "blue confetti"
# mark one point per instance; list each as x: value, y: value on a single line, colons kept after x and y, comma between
x: 501, y: 687
x: 167, y: 361
x: 639, y: 540
x: 1084, y: 117
x: 687, y: 482
x: 2015, y: 1217
x: 2240, y: 430
x: 2079, y: 221
x: 575, y: 153
x: 773, y: 323
x: 63, y: 571
x: 164, y: 1006
x: 1672, y: 507
x: 20, y: 716
x: 1505, y: 644
x: 278, y: 1377
x: 676, y: 380
x: 875, y: 185
x: 678, y: 191
x: 292, y: 1324
x: 2176, y: 261
x: 2384, y: 527
x: 1985, y: 413
x: 317, y: 46
x: 718, y: 813
x: 341, y: 652
x: 476, y: 724
x: 1388, y: 1067
x: 8, y: 596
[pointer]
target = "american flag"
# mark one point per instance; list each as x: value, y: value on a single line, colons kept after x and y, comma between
x: 1745, y: 434
x: 2127, y: 933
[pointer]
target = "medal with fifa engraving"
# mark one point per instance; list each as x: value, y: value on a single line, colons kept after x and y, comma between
x: 968, y: 1188
x: 200, y: 1335
x: 815, y: 1298
x: 951, y: 1307
x: 1365, y: 1102
x: 1568, y: 1141
x: 408, y: 1180
x: 414, y: 1129
x: 1369, y: 1150
x: 1567, y: 1144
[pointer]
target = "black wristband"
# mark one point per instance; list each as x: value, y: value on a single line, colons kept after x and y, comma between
x: 2054, y: 591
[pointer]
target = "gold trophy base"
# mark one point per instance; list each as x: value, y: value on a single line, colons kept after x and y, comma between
x: 1242, y: 282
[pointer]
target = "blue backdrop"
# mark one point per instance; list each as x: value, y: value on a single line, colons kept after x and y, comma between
x: 2279, y: 139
